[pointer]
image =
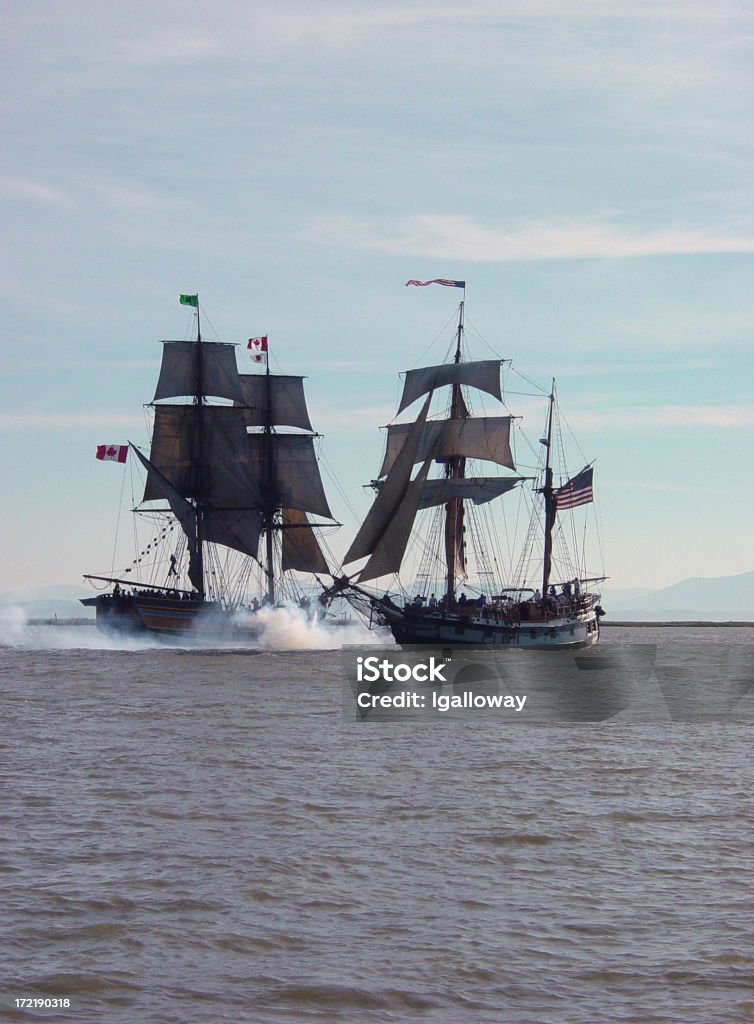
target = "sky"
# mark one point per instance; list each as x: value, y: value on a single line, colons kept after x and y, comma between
x: 584, y: 166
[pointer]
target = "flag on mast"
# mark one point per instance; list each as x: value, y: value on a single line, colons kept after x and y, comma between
x: 578, y: 490
x: 438, y: 280
x: 258, y: 349
x: 112, y: 452
x: 190, y: 300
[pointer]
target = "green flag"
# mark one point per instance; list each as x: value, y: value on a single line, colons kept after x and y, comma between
x: 190, y: 300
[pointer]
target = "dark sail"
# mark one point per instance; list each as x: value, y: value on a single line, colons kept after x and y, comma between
x: 287, y: 401
x: 227, y: 477
x: 390, y: 496
x: 301, y: 550
x: 485, y: 437
x: 483, y: 375
x: 225, y: 484
x: 296, y: 481
x: 198, y: 367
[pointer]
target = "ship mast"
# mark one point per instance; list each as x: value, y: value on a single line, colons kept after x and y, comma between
x: 269, y: 489
x: 199, y: 469
x: 455, y: 469
x: 549, y: 499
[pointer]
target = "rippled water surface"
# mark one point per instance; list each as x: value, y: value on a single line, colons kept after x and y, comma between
x: 199, y: 836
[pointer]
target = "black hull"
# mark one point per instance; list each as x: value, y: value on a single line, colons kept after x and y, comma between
x: 169, y: 616
x: 419, y: 627
x: 156, y: 615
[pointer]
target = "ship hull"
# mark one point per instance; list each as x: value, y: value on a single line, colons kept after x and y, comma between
x: 133, y: 615
x: 170, y: 617
x: 412, y: 627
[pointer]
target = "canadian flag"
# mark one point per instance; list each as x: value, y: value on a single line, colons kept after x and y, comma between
x: 258, y: 349
x: 112, y: 452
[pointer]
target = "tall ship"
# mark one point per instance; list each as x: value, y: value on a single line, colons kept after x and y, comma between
x: 231, y: 501
x: 462, y: 570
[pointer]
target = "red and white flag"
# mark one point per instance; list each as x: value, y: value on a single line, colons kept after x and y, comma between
x: 444, y: 281
x: 258, y: 348
x: 112, y: 452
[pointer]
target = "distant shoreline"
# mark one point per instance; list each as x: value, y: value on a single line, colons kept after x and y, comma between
x: 687, y: 623
x: 61, y: 622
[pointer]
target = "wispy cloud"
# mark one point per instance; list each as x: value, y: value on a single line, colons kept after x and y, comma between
x: 33, y: 191
x: 451, y: 236
x: 348, y: 365
x: 658, y: 488
x: 334, y: 24
x: 267, y: 31
x: 130, y: 200
x: 687, y: 417
x: 171, y: 46
x: 624, y: 369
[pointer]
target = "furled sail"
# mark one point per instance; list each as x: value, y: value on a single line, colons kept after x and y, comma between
x: 482, y: 374
x: 485, y: 437
x: 218, y: 470
x: 479, y: 489
x: 198, y: 367
x: 287, y: 401
x: 301, y: 550
x: 391, y: 547
x: 455, y: 543
x: 294, y: 471
x: 390, y: 495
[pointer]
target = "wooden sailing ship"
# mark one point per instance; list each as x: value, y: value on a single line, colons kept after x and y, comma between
x: 232, y: 479
x: 550, y: 601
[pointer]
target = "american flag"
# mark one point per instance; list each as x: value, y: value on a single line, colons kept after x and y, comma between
x: 578, y: 490
x: 438, y: 280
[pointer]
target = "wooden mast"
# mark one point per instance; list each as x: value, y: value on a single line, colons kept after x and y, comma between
x: 269, y: 486
x: 455, y: 469
x: 199, y: 400
x: 547, y: 491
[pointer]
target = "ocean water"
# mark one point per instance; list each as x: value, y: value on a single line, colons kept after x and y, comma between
x: 194, y: 836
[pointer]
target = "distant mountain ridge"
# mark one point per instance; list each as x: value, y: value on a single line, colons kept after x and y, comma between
x: 47, y: 602
x: 701, y: 597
